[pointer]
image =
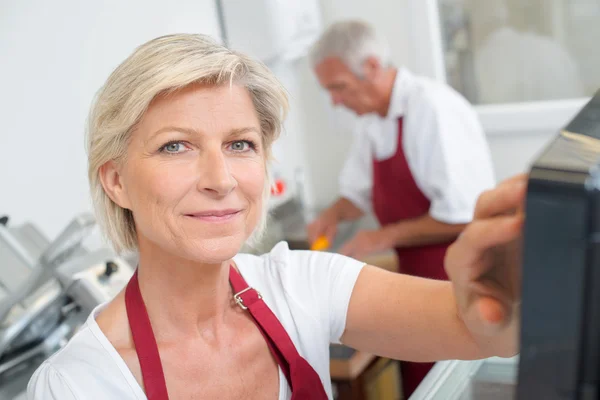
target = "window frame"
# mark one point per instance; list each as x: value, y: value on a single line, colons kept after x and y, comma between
x: 497, y: 119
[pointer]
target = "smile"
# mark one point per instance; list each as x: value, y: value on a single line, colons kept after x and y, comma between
x: 216, y: 215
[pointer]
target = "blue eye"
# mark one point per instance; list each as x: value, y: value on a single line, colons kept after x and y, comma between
x: 241, y: 146
x: 173, y: 147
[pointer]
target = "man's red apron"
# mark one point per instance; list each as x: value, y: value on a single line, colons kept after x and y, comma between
x: 397, y: 197
x: 302, y: 378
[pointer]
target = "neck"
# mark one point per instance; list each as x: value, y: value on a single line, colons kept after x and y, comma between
x: 384, y: 89
x: 183, y: 297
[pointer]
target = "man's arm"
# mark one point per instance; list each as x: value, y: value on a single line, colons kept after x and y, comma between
x: 413, y: 232
x: 421, y: 231
x: 345, y: 210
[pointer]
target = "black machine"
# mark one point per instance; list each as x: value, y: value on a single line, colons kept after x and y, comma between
x: 560, y: 328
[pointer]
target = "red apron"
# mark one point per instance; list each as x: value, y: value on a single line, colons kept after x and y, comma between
x: 397, y: 197
x: 302, y: 378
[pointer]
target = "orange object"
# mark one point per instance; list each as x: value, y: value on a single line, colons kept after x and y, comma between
x: 322, y: 243
x: 278, y: 188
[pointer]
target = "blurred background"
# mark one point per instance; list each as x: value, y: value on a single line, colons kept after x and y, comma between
x: 526, y: 65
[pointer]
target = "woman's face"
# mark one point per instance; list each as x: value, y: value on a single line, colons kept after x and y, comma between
x: 194, y: 173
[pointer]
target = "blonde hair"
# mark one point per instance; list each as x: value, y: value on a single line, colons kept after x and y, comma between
x: 164, y: 65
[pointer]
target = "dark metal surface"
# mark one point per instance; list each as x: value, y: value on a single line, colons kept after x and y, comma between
x: 560, y: 325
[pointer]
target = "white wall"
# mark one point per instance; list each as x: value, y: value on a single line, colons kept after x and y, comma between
x: 55, y: 55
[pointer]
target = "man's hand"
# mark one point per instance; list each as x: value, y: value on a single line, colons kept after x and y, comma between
x: 325, y: 225
x: 367, y: 242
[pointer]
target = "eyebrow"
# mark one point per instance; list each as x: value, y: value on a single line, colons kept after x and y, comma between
x: 193, y: 132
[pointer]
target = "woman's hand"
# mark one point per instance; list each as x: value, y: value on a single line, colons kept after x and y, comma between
x: 484, y: 265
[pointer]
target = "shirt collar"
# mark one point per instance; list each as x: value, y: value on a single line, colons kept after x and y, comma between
x: 400, y: 93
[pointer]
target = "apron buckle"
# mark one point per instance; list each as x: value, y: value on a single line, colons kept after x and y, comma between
x: 240, y: 301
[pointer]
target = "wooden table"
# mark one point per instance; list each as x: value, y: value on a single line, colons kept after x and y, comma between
x: 347, y: 367
x: 361, y: 376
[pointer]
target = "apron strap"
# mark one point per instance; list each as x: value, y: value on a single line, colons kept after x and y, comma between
x: 302, y: 378
x: 277, y: 339
x: 145, y: 342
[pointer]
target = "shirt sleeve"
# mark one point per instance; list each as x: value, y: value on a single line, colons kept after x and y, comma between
x: 449, y: 156
x: 48, y: 384
x: 322, y: 282
x: 356, y: 178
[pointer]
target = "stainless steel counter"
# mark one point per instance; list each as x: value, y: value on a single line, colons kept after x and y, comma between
x: 489, y: 379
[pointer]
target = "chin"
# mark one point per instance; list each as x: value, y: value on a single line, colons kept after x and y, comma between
x: 214, y: 250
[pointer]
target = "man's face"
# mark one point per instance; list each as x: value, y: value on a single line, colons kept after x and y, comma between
x: 344, y: 87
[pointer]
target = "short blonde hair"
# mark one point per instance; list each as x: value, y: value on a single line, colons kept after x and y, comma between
x: 164, y: 65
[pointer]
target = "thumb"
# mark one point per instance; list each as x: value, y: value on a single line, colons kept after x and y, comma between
x: 491, y: 314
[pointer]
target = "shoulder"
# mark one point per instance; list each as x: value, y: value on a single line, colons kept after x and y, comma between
x: 309, y: 291
x: 57, y: 377
x: 48, y: 383
x: 84, y: 366
x: 297, y: 271
x: 432, y: 96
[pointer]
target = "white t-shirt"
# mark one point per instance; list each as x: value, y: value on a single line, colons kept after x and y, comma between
x: 443, y: 141
x: 309, y: 292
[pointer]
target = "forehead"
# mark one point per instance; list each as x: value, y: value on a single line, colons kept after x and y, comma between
x: 198, y: 106
x: 331, y: 70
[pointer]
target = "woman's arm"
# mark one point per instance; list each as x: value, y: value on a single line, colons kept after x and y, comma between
x: 476, y: 315
x: 408, y: 318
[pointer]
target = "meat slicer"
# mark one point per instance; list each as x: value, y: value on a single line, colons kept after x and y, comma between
x: 47, y: 290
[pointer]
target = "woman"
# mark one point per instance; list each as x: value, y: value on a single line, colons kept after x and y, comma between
x: 179, y: 144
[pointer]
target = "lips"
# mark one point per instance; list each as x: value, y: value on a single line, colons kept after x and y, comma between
x: 215, y: 215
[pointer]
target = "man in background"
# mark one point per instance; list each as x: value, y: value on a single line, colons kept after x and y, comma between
x: 419, y: 165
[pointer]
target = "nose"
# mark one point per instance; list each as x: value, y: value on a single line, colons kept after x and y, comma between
x: 216, y: 178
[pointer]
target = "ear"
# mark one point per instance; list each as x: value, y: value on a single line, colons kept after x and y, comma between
x: 111, y: 179
x: 371, y: 68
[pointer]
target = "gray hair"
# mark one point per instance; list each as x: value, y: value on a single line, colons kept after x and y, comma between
x: 163, y: 65
x: 353, y: 42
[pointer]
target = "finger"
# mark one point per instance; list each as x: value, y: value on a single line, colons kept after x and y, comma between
x: 477, y: 238
x: 330, y: 233
x: 492, y: 312
x: 524, y: 177
x: 316, y: 229
x: 505, y: 198
x: 490, y: 289
x: 485, y: 234
x: 487, y: 315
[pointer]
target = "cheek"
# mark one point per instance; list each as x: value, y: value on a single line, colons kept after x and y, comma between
x: 159, y: 186
x: 251, y: 179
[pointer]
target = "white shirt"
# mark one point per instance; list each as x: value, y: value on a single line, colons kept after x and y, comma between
x: 309, y: 292
x: 512, y: 67
x: 443, y: 141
